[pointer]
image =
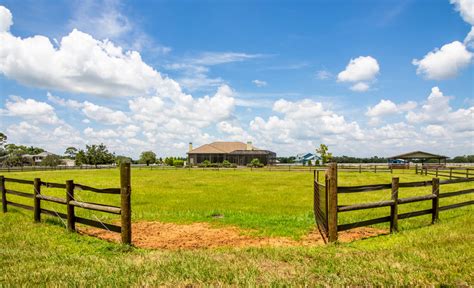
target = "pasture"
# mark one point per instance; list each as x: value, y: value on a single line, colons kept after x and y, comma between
x: 258, y: 203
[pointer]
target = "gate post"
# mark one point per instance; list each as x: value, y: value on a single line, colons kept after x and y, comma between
x: 332, y: 201
x: 126, y: 213
x: 435, y: 202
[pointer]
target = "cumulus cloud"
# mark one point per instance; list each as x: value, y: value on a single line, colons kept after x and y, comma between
x: 30, y: 109
x: 361, y: 71
x: 466, y: 9
x: 444, y: 63
x: 79, y: 64
x: 387, y: 107
x: 6, y: 19
x: 259, y: 83
x: 104, y: 115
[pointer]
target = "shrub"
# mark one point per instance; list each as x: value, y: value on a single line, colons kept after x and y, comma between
x: 226, y: 164
x: 178, y: 163
x: 255, y: 163
x: 51, y: 160
x: 206, y: 163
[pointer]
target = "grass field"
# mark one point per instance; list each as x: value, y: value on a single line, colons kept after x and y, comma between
x: 268, y: 203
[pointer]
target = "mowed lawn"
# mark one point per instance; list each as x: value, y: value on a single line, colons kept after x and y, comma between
x: 269, y: 203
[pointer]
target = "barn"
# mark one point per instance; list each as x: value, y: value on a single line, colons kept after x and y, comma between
x: 235, y: 152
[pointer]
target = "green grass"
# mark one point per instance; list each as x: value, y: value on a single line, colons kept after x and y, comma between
x: 271, y: 203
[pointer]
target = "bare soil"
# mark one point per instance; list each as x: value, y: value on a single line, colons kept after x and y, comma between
x: 158, y: 235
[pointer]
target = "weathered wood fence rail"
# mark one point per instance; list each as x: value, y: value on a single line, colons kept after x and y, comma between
x: 326, y: 196
x: 71, y: 203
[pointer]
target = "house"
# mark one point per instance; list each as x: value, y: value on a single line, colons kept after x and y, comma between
x: 235, y: 152
x: 36, y: 159
x: 304, y: 158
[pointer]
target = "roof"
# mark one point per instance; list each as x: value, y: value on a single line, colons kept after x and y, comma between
x: 220, y: 148
x: 251, y: 152
x: 306, y: 156
x: 418, y: 155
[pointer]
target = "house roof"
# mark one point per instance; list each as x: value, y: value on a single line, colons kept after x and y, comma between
x: 251, y: 152
x: 418, y: 155
x: 220, y: 148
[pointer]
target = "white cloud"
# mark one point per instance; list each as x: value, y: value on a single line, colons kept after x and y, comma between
x: 105, y: 133
x: 323, y: 75
x: 466, y: 8
x: 64, y: 102
x: 437, y: 111
x: 444, y: 63
x: 6, y: 19
x: 259, y: 83
x: 360, y: 87
x: 216, y: 58
x: 80, y: 64
x: 469, y: 40
x: 103, y: 114
x: 361, y: 70
x: 384, y: 107
x: 30, y: 109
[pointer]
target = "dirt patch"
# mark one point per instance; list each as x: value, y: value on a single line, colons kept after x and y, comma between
x: 203, y: 235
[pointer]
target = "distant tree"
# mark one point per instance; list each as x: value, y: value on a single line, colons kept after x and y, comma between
x: 51, y: 161
x: 80, y: 158
x: 178, y: 162
x: 71, y: 152
x: 147, y: 157
x: 122, y: 159
x: 169, y: 161
x: 13, y: 160
x: 323, y: 152
x: 3, y: 139
x: 256, y: 163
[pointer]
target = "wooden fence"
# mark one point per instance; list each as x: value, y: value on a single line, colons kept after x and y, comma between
x: 325, y: 197
x: 70, y: 187
x: 449, y: 172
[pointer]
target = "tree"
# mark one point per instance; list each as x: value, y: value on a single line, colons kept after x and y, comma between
x: 71, y: 152
x: 80, y: 158
x: 147, y: 157
x: 256, y: 163
x: 51, y: 161
x: 122, y: 159
x: 98, y: 154
x: 325, y: 155
x: 169, y: 161
x: 3, y: 139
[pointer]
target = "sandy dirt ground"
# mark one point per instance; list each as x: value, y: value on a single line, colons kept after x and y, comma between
x: 158, y: 235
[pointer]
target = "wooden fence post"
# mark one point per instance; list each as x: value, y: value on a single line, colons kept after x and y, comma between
x: 450, y: 173
x: 467, y: 172
x: 36, y: 200
x: 436, y: 172
x: 435, y: 191
x: 360, y: 168
x: 4, y: 194
x: 71, y: 221
x: 394, y: 207
x: 375, y: 168
x: 126, y: 212
x: 332, y: 202
x: 416, y: 169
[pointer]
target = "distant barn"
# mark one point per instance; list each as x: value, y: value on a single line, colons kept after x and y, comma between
x: 235, y: 152
x: 426, y: 159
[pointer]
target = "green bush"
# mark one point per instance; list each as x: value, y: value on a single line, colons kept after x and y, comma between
x: 226, y: 164
x: 178, y: 163
x: 255, y: 163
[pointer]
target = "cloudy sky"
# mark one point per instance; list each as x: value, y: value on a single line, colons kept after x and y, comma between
x: 365, y: 77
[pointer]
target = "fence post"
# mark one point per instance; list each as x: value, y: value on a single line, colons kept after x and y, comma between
x: 125, y: 191
x: 71, y: 221
x: 416, y: 169
x: 36, y: 200
x: 4, y: 194
x: 332, y: 202
x: 450, y: 173
x: 436, y: 172
x: 435, y: 191
x: 375, y: 168
x: 394, y: 207
x: 467, y: 172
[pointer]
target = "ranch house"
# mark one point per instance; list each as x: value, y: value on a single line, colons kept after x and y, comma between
x: 235, y: 152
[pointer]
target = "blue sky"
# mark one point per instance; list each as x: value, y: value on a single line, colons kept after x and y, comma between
x: 365, y: 77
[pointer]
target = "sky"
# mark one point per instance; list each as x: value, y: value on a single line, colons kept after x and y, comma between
x: 364, y: 77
